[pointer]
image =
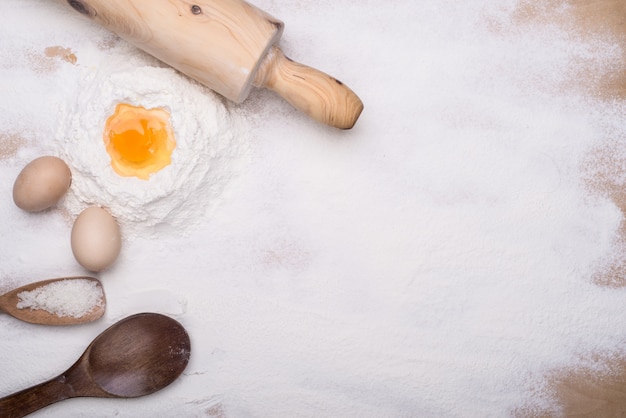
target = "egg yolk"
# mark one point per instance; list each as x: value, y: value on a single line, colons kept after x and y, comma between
x: 140, y: 141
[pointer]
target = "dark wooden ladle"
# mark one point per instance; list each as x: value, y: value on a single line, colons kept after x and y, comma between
x: 136, y: 356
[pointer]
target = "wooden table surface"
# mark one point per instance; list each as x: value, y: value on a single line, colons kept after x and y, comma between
x: 581, y: 392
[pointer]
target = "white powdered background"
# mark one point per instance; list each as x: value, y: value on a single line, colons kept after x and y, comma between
x: 434, y: 261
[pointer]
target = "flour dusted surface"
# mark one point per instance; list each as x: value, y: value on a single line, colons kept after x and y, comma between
x: 434, y: 261
x: 211, y: 141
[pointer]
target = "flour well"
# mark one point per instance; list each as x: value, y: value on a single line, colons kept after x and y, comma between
x: 211, y: 142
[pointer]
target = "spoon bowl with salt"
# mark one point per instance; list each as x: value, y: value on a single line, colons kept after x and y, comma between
x: 62, y: 301
x: 136, y: 356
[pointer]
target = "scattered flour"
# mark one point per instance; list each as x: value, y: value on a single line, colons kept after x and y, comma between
x: 211, y: 140
x: 436, y: 261
x: 74, y: 298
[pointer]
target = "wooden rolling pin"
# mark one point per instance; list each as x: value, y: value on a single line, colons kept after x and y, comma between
x: 227, y: 45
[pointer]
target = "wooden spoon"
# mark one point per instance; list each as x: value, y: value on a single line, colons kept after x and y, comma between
x: 136, y: 356
x: 9, y: 304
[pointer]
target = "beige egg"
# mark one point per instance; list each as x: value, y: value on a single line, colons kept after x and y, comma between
x: 95, y: 239
x: 41, y: 184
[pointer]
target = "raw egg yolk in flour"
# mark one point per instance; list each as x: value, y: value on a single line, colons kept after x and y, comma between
x: 140, y: 141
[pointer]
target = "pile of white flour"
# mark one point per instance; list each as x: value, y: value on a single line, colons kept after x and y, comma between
x: 210, y: 141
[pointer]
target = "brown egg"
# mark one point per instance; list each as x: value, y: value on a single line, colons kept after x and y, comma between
x: 95, y: 239
x: 41, y: 184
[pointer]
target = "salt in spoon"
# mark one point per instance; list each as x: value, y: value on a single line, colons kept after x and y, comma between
x: 9, y: 304
x: 136, y: 356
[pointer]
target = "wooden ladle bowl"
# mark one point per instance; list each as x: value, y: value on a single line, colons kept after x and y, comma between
x: 137, y: 356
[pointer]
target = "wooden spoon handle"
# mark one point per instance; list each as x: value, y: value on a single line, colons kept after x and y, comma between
x: 315, y: 93
x: 34, y: 398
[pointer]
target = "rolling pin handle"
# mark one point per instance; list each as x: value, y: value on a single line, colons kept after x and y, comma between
x: 311, y: 91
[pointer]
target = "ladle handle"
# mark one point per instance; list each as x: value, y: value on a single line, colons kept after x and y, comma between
x: 311, y: 91
x: 34, y: 398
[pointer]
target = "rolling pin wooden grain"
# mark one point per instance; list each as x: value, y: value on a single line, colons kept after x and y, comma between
x: 229, y: 46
